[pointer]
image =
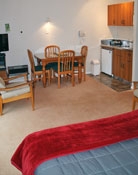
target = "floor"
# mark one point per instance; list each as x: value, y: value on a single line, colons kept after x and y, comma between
x: 112, y: 82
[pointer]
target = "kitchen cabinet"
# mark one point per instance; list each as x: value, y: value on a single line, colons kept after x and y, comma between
x: 116, y: 62
x: 122, y: 64
x: 112, y: 15
x: 121, y: 14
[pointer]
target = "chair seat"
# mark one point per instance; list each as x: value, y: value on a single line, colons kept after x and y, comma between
x: 38, y: 68
x: 52, y: 65
x: 76, y: 64
x: 16, y: 92
x: 136, y: 93
x: 47, y: 67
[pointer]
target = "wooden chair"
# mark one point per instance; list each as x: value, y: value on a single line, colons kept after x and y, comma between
x: 66, y: 66
x: 135, y: 95
x: 52, y: 51
x: 84, y: 52
x: 36, y: 71
x: 12, y: 91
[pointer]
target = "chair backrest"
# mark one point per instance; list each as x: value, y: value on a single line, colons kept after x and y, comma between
x: 66, y: 62
x: 84, y: 52
x: 52, y: 51
x: 31, y: 59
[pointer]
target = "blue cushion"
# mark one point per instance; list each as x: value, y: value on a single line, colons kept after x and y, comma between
x: 38, y: 68
x: 52, y: 65
x: 76, y: 64
x: 55, y: 67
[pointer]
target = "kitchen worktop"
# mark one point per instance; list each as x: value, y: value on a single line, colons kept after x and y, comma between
x: 116, y: 47
x: 117, y: 58
x: 117, y: 43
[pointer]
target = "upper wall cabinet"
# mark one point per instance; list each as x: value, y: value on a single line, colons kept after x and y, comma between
x: 121, y: 14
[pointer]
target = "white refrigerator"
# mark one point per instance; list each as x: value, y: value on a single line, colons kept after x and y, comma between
x: 106, y: 61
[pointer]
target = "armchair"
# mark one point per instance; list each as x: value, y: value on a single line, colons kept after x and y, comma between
x: 135, y: 94
x: 13, y: 91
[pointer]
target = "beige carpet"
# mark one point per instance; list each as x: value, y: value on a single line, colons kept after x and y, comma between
x: 55, y: 107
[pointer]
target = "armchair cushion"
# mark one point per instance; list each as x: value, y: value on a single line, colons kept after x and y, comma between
x: 13, y: 84
x: 10, y: 85
x: 136, y: 92
x: 2, y: 83
x: 16, y: 92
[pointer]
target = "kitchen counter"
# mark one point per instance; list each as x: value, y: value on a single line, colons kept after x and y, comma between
x: 109, y: 47
x: 116, y: 58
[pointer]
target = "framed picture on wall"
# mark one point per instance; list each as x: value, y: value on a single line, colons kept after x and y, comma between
x: 7, y: 27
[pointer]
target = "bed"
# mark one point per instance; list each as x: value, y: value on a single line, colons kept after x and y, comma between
x: 107, y: 146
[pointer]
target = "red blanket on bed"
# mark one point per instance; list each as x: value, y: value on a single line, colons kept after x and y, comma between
x: 50, y: 143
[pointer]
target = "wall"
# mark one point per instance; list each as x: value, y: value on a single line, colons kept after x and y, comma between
x: 135, y: 50
x: 27, y: 21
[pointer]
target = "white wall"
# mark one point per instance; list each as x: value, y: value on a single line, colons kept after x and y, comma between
x: 135, y: 55
x: 67, y: 18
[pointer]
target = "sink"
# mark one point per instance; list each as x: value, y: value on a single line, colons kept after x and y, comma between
x: 106, y: 42
x: 125, y: 44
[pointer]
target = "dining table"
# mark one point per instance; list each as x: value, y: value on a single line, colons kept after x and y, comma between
x: 41, y: 59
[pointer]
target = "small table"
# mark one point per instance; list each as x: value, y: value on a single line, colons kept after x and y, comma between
x: 41, y: 59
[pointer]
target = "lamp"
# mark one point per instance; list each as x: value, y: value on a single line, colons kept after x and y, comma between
x: 48, y: 25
